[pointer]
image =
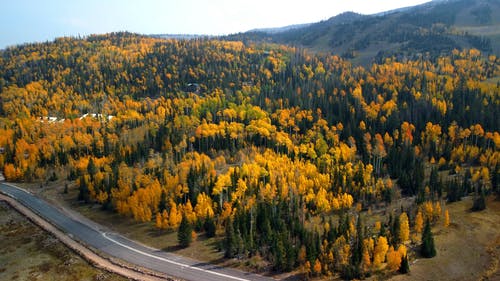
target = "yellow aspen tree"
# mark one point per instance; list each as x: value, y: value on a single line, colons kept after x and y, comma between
x: 11, y: 173
x: 161, y: 220
x: 203, y: 206
x: 317, y: 267
x: 366, y: 262
x: 307, y: 269
x: 330, y: 263
x: 352, y: 228
x: 175, y: 216
x: 302, y: 256
x: 342, y: 251
x: 158, y: 223
x: 188, y: 212
x: 402, y: 250
x: 346, y: 251
x: 419, y: 222
x: 393, y: 259
x: 227, y: 211
x: 359, y: 207
x: 380, y: 251
x: 164, y: 219
x: 437, y: 211
x: 404, y: 228
x: 428, y: 210
x: 241, y: 188
x: 102, y: 197
x: 446, y: 221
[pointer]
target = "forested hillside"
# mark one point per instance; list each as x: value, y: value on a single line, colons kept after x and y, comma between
x: 431, y: 29
x: 280, y: 153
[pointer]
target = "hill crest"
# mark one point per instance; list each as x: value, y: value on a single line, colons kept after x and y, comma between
x: 432, y: 28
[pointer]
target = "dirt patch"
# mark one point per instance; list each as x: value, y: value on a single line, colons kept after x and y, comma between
x: 29, y: 253
x: 467, y: 250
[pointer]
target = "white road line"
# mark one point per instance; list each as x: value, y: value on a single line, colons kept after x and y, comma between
x: 173, y: 262
x: 17, y: 188
x: 144, y: 253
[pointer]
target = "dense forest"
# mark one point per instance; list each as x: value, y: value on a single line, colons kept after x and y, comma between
x: 278, y: 152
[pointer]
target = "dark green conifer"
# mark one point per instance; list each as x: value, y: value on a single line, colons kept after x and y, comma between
x: 229, y: 240
x: 209, y: 226
x: 479, y: 202
x: 405, y: 265
x: 427, y: 249
x: 184, y: 233
x: 163, y: 201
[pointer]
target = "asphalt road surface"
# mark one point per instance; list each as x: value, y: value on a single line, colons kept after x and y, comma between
x: 125, y: 249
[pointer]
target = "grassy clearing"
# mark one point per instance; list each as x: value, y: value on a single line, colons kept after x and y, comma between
x: 467, y: 250
x: 29, y: 253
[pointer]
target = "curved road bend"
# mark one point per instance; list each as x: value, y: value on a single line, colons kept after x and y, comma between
x: 120, y: 247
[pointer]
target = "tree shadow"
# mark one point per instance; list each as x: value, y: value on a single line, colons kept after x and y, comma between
x: 155, y: 233
x: 173, y: 248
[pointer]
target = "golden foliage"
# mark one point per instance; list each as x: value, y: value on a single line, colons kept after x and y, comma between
x: 380, y: 251
x: 393, y: 259
x: 404, y: 228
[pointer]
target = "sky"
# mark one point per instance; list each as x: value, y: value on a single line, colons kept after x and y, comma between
x: 23, y: 21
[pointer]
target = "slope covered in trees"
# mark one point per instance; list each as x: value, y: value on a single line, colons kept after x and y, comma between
x: 433, y: 28
x: 276, y: 151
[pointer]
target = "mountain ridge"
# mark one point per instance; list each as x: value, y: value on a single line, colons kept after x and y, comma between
x: 431, y: 28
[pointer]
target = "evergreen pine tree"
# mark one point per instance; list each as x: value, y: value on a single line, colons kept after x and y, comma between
x: 291, y: 255
x: 163, y: 201
x: 209, y: 226
x: 240, y: 244
x: 91, y: 167
x: 395, y: 231
x: 279, y: 253
x: 184, y: 234
x: 405, y: 265
x: 382, y: 231
x: 332, y: 233
x: 83, y: 194
x: 229, y: 240
x: 479, y: 202
x: 427, y: 249
x: 358, y: 245
x: 434, y: 182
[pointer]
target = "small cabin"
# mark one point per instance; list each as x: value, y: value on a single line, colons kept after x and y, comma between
x: 193, y: 88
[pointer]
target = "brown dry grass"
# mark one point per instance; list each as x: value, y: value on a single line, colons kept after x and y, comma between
x: 29, y: 253
x: 467, y: 250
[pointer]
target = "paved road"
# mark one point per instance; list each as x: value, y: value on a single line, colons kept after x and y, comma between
x: 120, y: 247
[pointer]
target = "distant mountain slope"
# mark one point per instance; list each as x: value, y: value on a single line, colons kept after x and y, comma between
x: 431, y: 28
x: 280, y: 29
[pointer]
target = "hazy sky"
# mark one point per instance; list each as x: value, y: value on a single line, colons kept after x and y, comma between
x: 40, y: 20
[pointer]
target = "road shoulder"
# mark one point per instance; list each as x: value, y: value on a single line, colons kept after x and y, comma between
x: 85, y: 252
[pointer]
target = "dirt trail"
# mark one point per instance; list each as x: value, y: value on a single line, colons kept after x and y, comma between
x: 83, y: 251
